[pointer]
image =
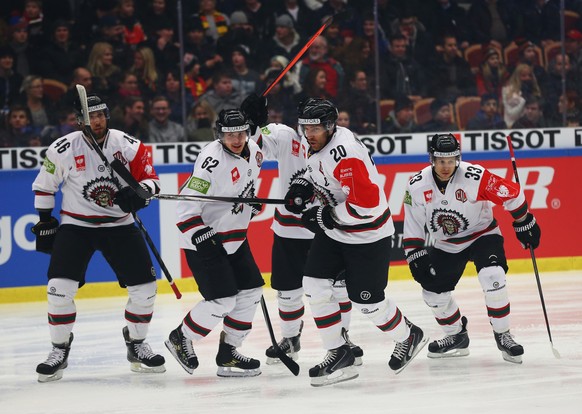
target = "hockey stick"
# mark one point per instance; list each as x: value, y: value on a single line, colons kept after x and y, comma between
x: 285, y: 359
x: 533, y: 257
x: 292, y: 63
x: 192, y: 197
x: 117, y: 166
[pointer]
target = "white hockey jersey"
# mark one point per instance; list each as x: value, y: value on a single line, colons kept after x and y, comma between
x: 87, y: 187
x: 220, y: 173
x: 283, y: 144
x: 463, y: 213
x: 345, y: 177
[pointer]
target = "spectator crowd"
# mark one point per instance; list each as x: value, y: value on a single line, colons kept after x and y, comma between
x: 506, y: 54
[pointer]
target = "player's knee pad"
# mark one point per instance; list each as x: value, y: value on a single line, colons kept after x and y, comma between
x: 317, y: 290
x: 436, y: 300
x: 250, y: 296
x: 143, y: 295
x: 221, y: 306
x: 61, y: 292
x: 492, y: 279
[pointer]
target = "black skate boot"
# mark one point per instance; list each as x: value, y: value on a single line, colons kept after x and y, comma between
x: 510, y: 350
x: 141, y: 356
x: 357, y: 351
x: 56, y: 362
x: 232, y: 364
x: 452, y: 345
x: 405, y: 351
x: 291, y: 346
x: 337, y: 366
x: 181, y: 348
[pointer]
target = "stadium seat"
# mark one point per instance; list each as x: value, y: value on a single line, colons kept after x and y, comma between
x: 466, y: 107
x: 53, y: 89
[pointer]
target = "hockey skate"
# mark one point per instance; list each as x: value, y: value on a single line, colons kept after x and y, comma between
x: 291, y: 346
x: 510, y: 350
x: 181, y: 348
x: 56, y: 362
x: 357, y: 351
x: 337, y: 366
x: 405, y: 351
x: 232, y: 364
x: 451, y: 345
x: 141, y: 356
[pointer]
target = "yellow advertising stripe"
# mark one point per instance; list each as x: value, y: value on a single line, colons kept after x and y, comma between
x: 400, y: 272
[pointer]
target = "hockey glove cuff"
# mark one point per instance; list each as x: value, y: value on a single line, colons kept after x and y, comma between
x: 420, y: 266
x: 318, y: 219
x: 528, y: 231
x: 45, y: 231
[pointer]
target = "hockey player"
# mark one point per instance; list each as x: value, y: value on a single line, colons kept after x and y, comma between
x: 213, y: 236
x: 352, y: 229
x: 95, y: 215
x: 291, y: 239
x: 454, y: 200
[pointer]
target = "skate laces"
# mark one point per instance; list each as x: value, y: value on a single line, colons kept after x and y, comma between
x: 401, y: 349
x: 143, y: 350
x: 239, y: 356
x: 329, y: 357
x: 506, y: 339
x: 187, y: 347
x: 55, y: 357
x: 446, y: 341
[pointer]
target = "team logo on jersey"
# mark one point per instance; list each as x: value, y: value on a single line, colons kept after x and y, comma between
x: 49, y: 166
x: 101, y: 191
x: 265, y: 130
x: 80, y: 163
x: 119, y: 156
x: 503, y: 191
x: 198, y: 184
x: 295, y: 146
x: 450, y: 221
x: 428, y: 196
x: 259, y: 158
x: 460, y: 195
x: 247, y: 192
x: 235, y: 175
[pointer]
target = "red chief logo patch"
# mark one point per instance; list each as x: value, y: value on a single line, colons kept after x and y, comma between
x: 460, y: 195
x: 80, y: 163
x: 235, y: 175
x: 428, y: 196
x: 295, y: 146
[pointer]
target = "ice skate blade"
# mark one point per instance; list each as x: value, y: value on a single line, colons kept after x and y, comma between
x: 513, y: 359
x: 227, y: 372
x: 451, y: 354
x: 421, y: 345
x: 341, y: 375
x: 172, y: 350
x: 142, y: 368
x: 50, y: 378
x: 274, y: 361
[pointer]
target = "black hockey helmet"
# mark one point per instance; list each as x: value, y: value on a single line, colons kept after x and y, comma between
x: 231, y: 120
x: 444, y: 145
x: 94, y: 104
x: 314, y: 111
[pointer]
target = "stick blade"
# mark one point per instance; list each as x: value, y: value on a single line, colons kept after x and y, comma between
x: 556, y: 353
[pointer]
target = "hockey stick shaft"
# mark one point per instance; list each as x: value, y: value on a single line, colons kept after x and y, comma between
x: 247, y: 200
x: 298, y: 56
x: 285, y: 359
x: 532, y: 254
x: 111, y: 167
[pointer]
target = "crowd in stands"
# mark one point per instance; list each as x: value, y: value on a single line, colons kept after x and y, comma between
x: 500, y: 58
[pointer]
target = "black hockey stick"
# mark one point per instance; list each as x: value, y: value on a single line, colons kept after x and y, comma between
x: 116, y: 166
x: 533, y: 257
x: 285, y: 359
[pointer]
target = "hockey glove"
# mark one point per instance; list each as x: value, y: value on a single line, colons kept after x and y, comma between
x: 208, y: 244
x: 255, y: 108
x: 256, y: 209
x: 45, y: 231
x: 318, y: 219
x: 128, y: 200
x: 528, y: 232
x: 420, y: 266
x: 299, y: 194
